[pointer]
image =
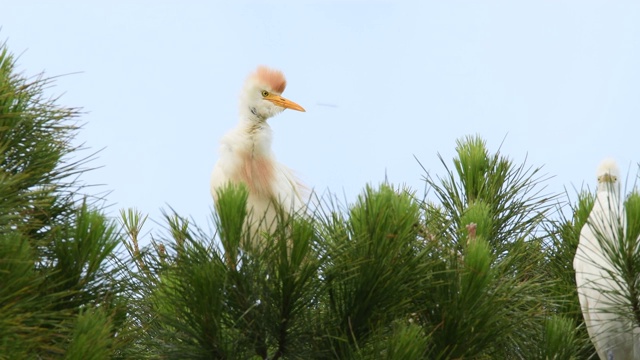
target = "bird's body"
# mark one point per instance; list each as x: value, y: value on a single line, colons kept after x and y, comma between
x: 597, y: 278
x: 246, y: 156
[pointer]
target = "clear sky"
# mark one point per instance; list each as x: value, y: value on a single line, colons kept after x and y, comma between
x: 559, y: 81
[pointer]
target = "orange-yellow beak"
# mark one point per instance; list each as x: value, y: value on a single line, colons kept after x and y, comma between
x: 285, y: 103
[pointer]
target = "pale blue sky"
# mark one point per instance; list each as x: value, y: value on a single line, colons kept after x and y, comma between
x: 160, y: 82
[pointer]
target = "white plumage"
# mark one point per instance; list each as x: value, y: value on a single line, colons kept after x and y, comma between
x: 612, y: 335
x: 246, y: 155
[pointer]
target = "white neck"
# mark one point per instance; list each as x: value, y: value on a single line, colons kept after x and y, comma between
x: 253, y: 134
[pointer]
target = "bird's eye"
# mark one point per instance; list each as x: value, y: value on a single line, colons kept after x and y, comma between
x: 265, y: 93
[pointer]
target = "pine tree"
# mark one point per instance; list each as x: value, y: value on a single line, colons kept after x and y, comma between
x: 59, y: 294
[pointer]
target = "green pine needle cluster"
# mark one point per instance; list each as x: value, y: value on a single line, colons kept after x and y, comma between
x: 480, y: 267
x: 59, y: 295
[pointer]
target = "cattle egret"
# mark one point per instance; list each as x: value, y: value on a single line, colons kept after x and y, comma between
x: 246, y: 156
x: 597, y: 278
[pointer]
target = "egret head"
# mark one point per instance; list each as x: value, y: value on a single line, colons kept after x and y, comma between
x: 262, y: 94
x: 608, y: 172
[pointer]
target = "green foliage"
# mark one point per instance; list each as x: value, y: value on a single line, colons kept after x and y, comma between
x: 478, y: 221
x: 515, y: 202
x: 91, y: 337
x: 232, y: 212
x: 487, y: 298
x: 631, y: 250
x: 234, y: 298
x: 560, y: 339
x: 55, y: 252
x: 400, y: 341
x: 374, y: 263
x: 35, y: 144
x: 81, y: 250
x: 479, y: 305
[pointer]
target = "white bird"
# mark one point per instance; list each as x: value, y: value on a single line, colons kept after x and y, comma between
x: 597, y: 278
x: 246, y: 155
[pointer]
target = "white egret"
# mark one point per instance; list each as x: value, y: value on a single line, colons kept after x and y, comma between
x: 597, y: 278
x: 246, y: 155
